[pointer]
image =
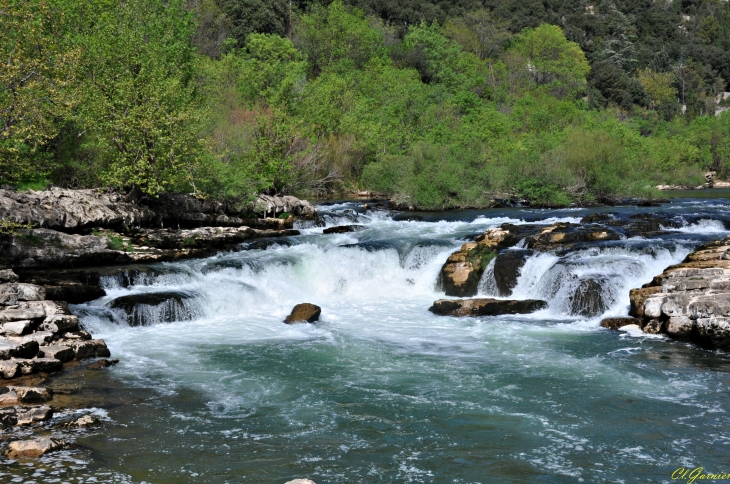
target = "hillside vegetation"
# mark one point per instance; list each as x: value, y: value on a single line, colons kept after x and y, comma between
x: 437, y: 104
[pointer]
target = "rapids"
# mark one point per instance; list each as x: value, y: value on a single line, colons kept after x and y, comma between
x: 380, y: 390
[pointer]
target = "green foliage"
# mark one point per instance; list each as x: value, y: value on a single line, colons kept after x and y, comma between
x: 37, y: 86
x: 438, y: 104
x: 9, y: 227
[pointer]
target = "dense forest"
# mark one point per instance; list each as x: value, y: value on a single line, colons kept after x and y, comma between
x: 435, y: 103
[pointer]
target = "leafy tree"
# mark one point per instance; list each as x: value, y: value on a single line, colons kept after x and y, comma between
x: 658, y: 86
x: 478, y: 32
x: 260, y: 16
x: 139, y: 110
x: 552, y: 60
x: 37, y: 86
x: 328, y: 36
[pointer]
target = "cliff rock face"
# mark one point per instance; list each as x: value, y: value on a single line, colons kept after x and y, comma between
x: 690, y: 301
x: 74, y: 210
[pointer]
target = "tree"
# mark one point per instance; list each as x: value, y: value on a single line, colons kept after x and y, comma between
x: 552, y: 60
x: 479, y: 33
x: 261, y: 16
x: 658, y: 85
x: 330, y: 35
x: 139, y: 111
x: 36, y: 86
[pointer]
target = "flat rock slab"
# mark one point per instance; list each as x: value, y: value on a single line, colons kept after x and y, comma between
x: 616, y: 323
x: 22, y: 314
x: 26, y: 348
x: 16, y: 395
x: 485, y: 307
x: 58, y: 352
x: 18, y: 328
x: 34, y: 448
x: 302, y: 313
x: 93, y: 348
x: 31, y: 415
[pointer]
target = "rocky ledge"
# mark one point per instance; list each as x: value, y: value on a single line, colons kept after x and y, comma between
x: 76, y: 210
x: 689, y: 301
x: 37, y: 335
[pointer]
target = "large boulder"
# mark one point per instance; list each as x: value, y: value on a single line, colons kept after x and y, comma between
x: 33, y: 448
x: 304, y: 313
x: 485, y: 307
x: 618, y: 323
x: 507, y: 269
x: 155, y: 307
x: 563, y: 235
x: 460, y: 274
x: 589, y: 297
x: 343, y: 229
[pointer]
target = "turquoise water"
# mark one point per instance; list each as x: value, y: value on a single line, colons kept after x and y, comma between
x: 380, y: 390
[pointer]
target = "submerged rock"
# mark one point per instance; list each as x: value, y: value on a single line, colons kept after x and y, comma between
x: 300, y: 481
x: 304, y: 313
x: 98, y: 365
x: 485, y: 307
x: 16, y: 395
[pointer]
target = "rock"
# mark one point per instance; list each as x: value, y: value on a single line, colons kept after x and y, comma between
x: 588, y: 299
x: 8, y: 418
x: 690, y: 301
x: 343, y: 229
x: 18, y: 328
x: 33, y: 448
x: 58, y: 352
x: 85, y: 421
x: 30, y: 292
x: 485, y: 307
x: 61, y: 323
x: 302, y: 313
x: 638, y: 297
x: 164, y: 306
x: 21, y: 314
x: 8, y: 294
x: 98, y: 365
x: 507, y: 267
x: 9, y: 369
x: 31, y: 415
x: 37, y: 365
x: 616, y: 323
x: 14, y: 349
x: 95, y: 348
x: 7, y: 275
x: 300, y: 481
x: 30, y: 394
x: 76, y: 335
x: 460, y: 274
x: 40, y: 337
x: 564, y: 235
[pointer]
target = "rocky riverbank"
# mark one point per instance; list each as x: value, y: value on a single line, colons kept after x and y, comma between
x: 689, y: 301
x: 62, y: 243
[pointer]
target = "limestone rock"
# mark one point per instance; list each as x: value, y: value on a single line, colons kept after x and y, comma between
x: 616, y: 323
x: 302, y: 313
x: 18, y: 328
x: 34, y: 448
x: 94, y: 348
x: 85, y: 421
x: 485, y: 307
x: 37, y: 365
x: 17, y: 349
x: 31, y: 415
x: 300, y: 481
x: 588, y: 300
x: 58, y: 352
x: 9, y: 369
x: 28, y: 394
x: 21, y: 314
x: 7, y: 275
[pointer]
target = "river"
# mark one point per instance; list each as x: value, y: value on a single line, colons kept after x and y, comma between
x: 213, y: 387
